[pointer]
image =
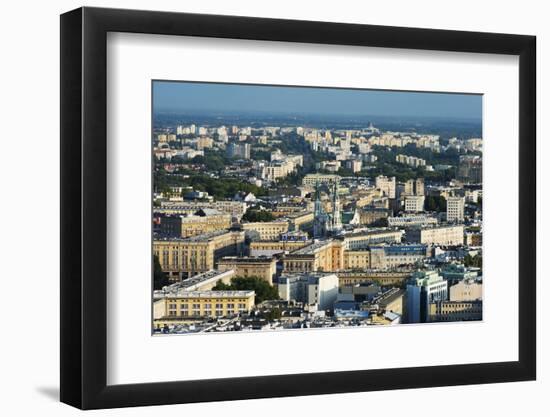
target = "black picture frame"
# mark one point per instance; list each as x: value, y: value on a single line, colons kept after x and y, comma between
x: 84, y: 207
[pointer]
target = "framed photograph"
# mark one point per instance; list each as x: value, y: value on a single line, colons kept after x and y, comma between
x: 260, y: 208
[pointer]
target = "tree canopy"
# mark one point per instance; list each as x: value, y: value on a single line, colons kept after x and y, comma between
x: 264, y: 291
x: 159, y: 277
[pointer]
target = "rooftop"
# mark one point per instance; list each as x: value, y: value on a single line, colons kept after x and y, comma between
x: 213, y: 294
x: 308, y: 250
x: 245, y: 259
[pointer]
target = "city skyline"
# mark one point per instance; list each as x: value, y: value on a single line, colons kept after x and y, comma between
x: 201, y: 97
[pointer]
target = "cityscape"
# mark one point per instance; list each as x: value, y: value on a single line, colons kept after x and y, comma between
x: 278, y: 208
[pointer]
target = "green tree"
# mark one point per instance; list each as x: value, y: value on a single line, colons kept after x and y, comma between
x: 264, y: 291
x: 159, y: 277
x: 473, y: 261
x: 256, y: 215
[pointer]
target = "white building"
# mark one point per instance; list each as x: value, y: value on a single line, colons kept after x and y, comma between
x: 455, y: 209
x: 414, y: 203
x: 386, y: 185
x: 312, y: 289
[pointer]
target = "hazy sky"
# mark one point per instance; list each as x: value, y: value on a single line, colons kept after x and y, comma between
x: 195, y: 97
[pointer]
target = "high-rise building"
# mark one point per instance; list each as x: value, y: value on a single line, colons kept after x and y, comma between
x: 386, y: 185
x: 455, y: 209
x: 425, y: 287
x: 470, y: 169
x: 414, y: 203
x: 238, y: 150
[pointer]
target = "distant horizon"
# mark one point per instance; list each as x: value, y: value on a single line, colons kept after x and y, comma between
x: 202, y: 98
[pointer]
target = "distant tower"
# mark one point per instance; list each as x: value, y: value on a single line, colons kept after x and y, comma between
x: 320, y: 217
x: 336, y: 214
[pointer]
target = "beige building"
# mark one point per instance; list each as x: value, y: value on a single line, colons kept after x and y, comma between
x: 466, y: 290
x: 455, y: 209
x: 322, y: 255
x: 394, y: 256
x: 200, y: 304
x: 455, y: 311
x: 262, y: 267
x: 204, y: 221
x: 361, y: 240
x: 325, y: 179
x: 269, y: 247
x: 473, y: 238
x: 202, y: 282
x: 356, y: 259
x: 267, y: 230
x: 386, y: 185
x: 300, y: 220
x: 449, y: 235
x: 196, y: 254
x: 414, y: 203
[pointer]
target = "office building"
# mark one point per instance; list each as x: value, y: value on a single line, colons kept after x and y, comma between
x: 425, y: 287
x: 455, y: 209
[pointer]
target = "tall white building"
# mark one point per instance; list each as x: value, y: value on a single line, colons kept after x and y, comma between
x: 414, y: 203
x: 455, y: 209
x: 386, y: 185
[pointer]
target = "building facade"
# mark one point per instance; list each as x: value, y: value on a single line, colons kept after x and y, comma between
x: 197, y: 254
x: 267, y: 230
x: 447, y: 235
x: 322, y: 255
x: 424, y: 288
x: 263, y: 267
x: 455, y: 209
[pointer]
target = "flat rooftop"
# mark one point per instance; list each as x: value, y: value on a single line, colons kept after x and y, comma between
x: 308, y: 250
x: 212, y: 294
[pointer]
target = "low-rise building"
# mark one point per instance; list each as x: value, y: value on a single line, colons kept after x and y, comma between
x: 266, y: 230
x: 357, y: 259
x: 412, y: 219
x: 446, y: 235
x: 200, y: 304
x: 446, y: 311
x: 363, y: 239
x: 394, y: 277
x: 322, y: 255
x: 263, y: 267
x: 393, y: 256
x: 466, y: 290
x: 270, y: 248
x: 201, y: 282
x: 313, y: 180
x: 309, y: 288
